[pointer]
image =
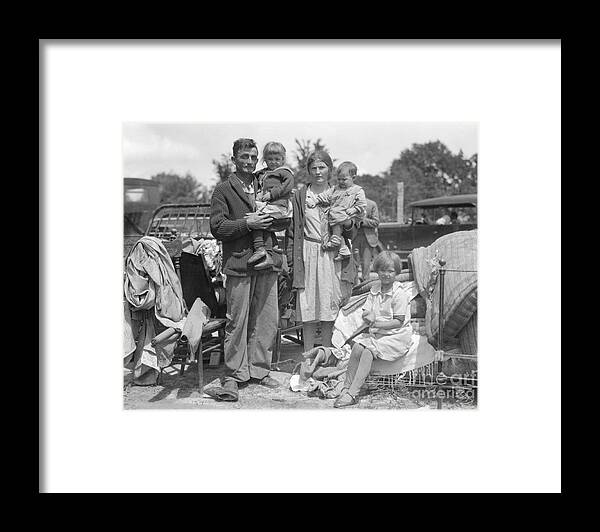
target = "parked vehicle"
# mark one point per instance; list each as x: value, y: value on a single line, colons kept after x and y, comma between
x: 429, y: 219
x: 141, y: 197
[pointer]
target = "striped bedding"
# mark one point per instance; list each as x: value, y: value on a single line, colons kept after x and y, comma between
x: 468, y: 336
x: 459, y: 250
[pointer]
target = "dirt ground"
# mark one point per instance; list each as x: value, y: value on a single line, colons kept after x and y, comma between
x: 176, y: 391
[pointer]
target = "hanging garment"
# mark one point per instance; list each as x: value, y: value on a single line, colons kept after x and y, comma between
x: 155, y: 301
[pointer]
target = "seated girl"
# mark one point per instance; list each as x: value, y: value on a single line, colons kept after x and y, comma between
x: 389, y: 337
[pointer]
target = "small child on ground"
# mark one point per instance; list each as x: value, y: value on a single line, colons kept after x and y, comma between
x: 276, y: 182
x: 323, y: 362
x: 322, y: 372
x: 387, y: 312
x: 346, y: 202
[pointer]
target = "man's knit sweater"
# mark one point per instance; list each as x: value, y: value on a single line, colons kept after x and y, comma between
x: 228, y: 224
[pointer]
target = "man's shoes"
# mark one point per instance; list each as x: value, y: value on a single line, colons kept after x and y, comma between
x: 266, y: 263
x: 344, y: 400
x: 269, y: 382
x: 227, y: 392
x: 257, y: 255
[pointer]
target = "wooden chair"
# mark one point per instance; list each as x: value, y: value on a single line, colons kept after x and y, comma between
x: 285, y: 332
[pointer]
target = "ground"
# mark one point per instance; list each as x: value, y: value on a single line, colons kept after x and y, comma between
x: 176, y: 391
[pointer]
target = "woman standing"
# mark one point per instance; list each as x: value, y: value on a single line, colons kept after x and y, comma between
x: 322, y: 284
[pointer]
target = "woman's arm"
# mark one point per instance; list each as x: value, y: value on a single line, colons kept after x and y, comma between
x: 324, y: 198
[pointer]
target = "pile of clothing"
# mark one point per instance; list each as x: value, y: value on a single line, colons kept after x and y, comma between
x: 155, y: 313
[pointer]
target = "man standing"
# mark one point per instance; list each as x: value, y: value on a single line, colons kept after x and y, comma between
x: 251, y: 295
x: 367, y: 238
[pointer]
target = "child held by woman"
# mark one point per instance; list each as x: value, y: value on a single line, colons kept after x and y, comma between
x: 346, y: 202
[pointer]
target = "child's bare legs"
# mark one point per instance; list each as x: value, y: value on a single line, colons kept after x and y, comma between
x: 344, y: 251
x: 359, y: 366
x: 362, y: 372
x: 331, y: 372
x: 334, y: 240
x: 353, y: 362
x: 319, y: 360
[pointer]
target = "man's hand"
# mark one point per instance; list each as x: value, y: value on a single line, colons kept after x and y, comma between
x: 351, y: 211
x: 258, y: 220
x: 310, y: 203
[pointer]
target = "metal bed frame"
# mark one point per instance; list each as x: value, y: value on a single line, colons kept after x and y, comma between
x: 171, y: 222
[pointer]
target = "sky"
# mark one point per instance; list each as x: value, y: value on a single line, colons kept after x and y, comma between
x: 151, y: 148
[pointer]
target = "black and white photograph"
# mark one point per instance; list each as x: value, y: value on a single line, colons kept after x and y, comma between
x: 300, y: 265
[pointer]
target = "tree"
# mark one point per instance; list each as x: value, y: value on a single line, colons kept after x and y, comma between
x: 205, y: 193
x: 177, y: 189
x: 382, y: 191
x: 223, y: 167
x: 431, y: 169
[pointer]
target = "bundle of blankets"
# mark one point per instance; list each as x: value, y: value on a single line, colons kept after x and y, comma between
x: 459, y: 251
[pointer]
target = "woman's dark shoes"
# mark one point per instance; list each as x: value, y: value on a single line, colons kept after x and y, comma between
x: 257, y: 255
x: 344, y: 400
